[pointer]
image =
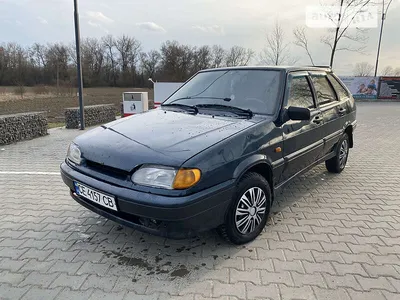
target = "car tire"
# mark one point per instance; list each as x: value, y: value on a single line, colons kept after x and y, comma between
x: 250, y: 208
x: 337, y: 163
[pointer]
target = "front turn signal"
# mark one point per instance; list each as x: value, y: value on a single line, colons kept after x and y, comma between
x: 186, y: 178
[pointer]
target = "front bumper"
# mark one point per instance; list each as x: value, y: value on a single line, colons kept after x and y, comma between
x: 171, y: 217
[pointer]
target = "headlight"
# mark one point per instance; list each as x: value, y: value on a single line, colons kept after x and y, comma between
x: 166, y: 177
x: 74, y: 154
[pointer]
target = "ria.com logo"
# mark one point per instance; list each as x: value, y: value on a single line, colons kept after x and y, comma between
x: 351, y: 17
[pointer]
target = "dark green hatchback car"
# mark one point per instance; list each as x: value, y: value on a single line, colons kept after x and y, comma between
x: 215, y: 153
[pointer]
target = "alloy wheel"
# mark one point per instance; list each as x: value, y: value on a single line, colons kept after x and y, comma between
x: 344, y: 150
x: 250, y: 210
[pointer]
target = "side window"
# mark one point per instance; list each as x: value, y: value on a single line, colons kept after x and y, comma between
x: 341, y: 92
x: 300, y: 93
x: 323, y: 89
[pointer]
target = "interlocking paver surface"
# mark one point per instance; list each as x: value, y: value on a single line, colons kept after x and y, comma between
x: 328, y: 237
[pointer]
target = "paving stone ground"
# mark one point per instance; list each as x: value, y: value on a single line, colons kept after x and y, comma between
x: 329, y: 236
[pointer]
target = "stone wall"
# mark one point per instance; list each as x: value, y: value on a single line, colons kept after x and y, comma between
x: 23, y: 126
x: 94, y: 115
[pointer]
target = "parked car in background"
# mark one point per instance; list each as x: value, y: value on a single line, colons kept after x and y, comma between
x: 215, y: 153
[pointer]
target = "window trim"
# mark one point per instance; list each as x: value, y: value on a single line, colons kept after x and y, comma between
x: 287, y: 90
x: 341, y: 85
x: 325, y: 75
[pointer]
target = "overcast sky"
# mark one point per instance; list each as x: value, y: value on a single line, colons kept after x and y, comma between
x: 195, y: 22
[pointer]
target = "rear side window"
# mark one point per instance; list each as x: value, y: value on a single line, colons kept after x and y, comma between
x: 341, y: 92
x: 300, y: 93
x: 323, y: 89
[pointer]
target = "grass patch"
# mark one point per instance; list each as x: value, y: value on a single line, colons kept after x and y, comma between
x: 55, y: 125
x: 55, y: 104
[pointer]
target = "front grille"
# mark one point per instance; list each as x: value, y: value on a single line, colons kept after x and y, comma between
x: 107, y: 169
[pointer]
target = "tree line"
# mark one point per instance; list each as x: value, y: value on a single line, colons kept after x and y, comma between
x: 121, y: 61
x: 111, y: 61
x: 367, y: 69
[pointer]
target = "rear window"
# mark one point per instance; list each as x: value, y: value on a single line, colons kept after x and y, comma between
x: 257, y: 90
x: 341, y: 92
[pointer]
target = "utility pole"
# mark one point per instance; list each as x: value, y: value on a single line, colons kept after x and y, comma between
x: 78, y: 65
x: 384, y: 12
x: 58, y: 78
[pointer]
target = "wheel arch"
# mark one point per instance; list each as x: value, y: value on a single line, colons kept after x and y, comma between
x: 260, y: 164
x: 349, y: 130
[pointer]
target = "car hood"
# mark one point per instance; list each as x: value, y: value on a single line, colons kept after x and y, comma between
x: 157, y: 137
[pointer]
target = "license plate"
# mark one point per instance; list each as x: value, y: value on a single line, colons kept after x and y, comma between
x: 95, y: 196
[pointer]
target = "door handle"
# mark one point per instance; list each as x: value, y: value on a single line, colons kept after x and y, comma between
x: 342, y: 111
x: 317, y: 119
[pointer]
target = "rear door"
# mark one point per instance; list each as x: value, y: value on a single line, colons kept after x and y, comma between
x: 332, y: 108
x: 344, y: 98
x: 302, y: 140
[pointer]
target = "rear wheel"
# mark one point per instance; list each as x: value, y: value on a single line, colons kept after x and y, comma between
x: 337, y: 163
x: 248, y: 213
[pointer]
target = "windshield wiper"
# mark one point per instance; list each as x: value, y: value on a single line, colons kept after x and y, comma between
x: 182, y: 106
x: 234, y: 109
x: 227, y: 99
x: 195, y: 97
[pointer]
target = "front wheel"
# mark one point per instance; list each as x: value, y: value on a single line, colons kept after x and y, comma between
x: 337, y: 163
x: 249, y: 210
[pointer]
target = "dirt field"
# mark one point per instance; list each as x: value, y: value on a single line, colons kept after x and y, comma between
x: 54, y: 104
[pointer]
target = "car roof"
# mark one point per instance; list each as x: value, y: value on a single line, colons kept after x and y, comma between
x: 273, y: 68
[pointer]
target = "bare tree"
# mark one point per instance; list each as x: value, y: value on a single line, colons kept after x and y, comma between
x: 15, y: 61
x: 72, y: 53
x: 176, y: 61
x: 111, y: 57
x: 349, y: 11
x: 57, y: 56
x: 218, y: 54
x: 363, y: 69
x: 202, y: 58
x: 4, y: 61
x: 129, y: 50
x: 123, y: 45
x: 37, y: 54
x: 390, y: 71
x: 301, y: 40
x: 150, y: 62
x: 238, y: 56
x: 387, y: 71
x: 277, y: 50
x: 185, y: 61
x: 93, y: 54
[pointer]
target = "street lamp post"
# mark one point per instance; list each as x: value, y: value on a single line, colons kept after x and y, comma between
x: 384, y: 13
x: 78, y: 66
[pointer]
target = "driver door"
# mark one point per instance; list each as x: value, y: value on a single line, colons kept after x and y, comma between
x: 302, y: 140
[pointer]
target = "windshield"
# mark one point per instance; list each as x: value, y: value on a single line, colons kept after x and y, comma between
x: 256, y: 90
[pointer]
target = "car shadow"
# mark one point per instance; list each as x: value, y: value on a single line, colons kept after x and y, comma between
x: 183, y: 263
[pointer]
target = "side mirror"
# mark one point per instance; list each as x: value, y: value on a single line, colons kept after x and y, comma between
x: 298, y: 113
